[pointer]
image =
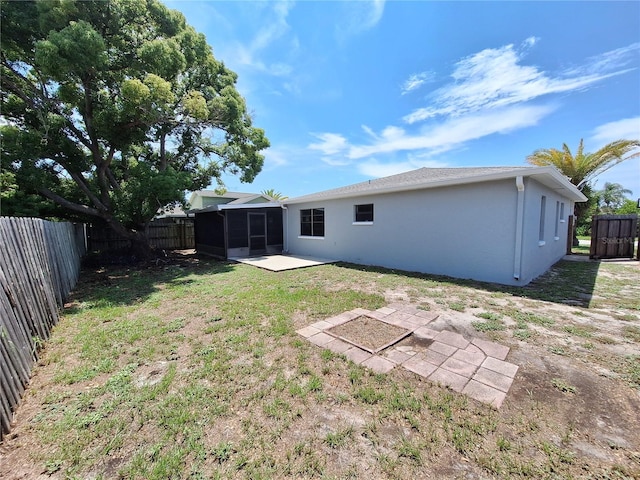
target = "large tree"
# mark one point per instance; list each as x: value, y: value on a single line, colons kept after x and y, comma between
x: 582, y: 168
x: 112, y: 109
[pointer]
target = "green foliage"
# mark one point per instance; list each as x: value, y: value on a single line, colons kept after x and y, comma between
x: 582, y: 168
x: 612, y: 197
x: 113, y: 110
x: 628, y: 207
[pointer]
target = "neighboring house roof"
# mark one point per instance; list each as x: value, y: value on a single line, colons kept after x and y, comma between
x: 440, y: 177
x: 231, y: 206
x: 235, y: 198
x: 230, y: 195
x: 175, y: 211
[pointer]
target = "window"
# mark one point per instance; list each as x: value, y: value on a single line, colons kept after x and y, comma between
x: 312, y: 222
x: 543, y: 207
x: 562, y: 219
x: 364, y: 213
x: 557, y: 225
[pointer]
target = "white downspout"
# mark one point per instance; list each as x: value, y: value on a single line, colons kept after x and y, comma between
x: 285, y: 246
x: 517, y: 260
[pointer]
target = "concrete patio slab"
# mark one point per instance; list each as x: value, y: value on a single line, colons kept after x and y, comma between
x: 474, y: 367
x: 484, y: 393
x: 474, y: 358
x: 452, y: 380
x: 491, y: 349
x: 493, y: 379
x: 385, y: 310
x: 499, y: 366
x: 306, y: 332
x: 426, y: 333
x: 434, y: 357
x: 417, y: 364
x: 397, y: 356
x: 320, y: 339
x: 453, y: 339
x: 442, y: 348
x: 278, y: 263
x: 378, y: 364
x: 321, y: 325
x: 457, y: 366
x: 357, y: 355
x: 338, y: 346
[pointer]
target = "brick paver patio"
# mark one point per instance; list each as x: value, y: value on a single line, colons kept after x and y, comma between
x: 474, y: 367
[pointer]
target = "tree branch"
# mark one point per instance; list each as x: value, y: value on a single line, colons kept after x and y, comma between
x: 63, y: 202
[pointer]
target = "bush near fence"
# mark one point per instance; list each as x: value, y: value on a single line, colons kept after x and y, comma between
x: 39, y: 265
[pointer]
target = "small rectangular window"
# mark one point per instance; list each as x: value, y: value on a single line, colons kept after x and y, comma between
x: 543, y: 207
x: 312, y: 222
x: 562, y: 219
x: 364, y: 213
x: 557, y: 224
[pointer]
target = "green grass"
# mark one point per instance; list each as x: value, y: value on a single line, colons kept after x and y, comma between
x: 196, y: 372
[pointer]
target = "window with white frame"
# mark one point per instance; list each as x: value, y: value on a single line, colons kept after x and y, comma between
x: 363, y: 213
x: 312, y: 222
x: 557, y: 224
x: 543, y: 207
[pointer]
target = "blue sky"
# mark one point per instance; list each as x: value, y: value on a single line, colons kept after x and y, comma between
x: 348, y: 91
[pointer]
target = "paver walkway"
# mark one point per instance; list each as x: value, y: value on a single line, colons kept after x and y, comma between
x: 475, y: 367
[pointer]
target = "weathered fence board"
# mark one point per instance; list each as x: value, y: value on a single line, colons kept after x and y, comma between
x: 39, y: 265
x: 613, y: 236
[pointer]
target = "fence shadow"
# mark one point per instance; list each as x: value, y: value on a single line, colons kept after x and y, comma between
x: 119, y: 285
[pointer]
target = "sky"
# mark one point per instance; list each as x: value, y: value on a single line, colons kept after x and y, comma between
x: 354, y: 90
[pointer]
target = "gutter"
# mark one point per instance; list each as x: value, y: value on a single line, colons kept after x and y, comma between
x: 285, y: 246
x: 517, y: 257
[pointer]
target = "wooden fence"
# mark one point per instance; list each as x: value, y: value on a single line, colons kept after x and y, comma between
x: 165, y: 233
x: 39, y: 265
x: 613, y: 236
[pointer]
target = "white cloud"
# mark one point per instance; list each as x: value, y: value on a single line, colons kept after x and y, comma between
x: 452, y: 132
x: 330, y: 144
x: 374, y: 168
x: 358, y: 17
x: 491, y: 92
x: 625, y: 129
x: 273, y: 29
x: 275, y: 157
x: 495, y: 77
x: 415, y: 81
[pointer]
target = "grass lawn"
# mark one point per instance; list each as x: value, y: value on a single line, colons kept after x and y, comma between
x: 193, y: 370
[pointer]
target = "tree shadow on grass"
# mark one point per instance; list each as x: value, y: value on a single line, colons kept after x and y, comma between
x: 121, y: 285
x: 566, y: 282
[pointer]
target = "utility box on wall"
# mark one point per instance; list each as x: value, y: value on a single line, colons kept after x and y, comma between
x: 613, y: 236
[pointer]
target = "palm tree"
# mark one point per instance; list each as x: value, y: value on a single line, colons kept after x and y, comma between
x: 273, y: 194
x: 582, y: 167
x: 612, y: 197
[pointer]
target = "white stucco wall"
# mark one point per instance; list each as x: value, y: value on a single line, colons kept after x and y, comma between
x: 540, y: 254
x: 462, y: 231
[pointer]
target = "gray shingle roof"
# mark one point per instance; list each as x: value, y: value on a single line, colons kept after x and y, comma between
x: 414, y: 179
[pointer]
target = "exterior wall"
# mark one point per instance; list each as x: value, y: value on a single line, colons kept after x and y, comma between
x: 464, y: 231
x: 541, y: 252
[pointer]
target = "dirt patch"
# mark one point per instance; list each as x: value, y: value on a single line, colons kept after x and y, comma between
x: 369, y: 333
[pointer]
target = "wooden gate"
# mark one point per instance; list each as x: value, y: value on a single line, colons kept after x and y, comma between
x: 613, y: 236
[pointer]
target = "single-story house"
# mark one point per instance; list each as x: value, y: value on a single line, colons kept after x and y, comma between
x: 498, y: 224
